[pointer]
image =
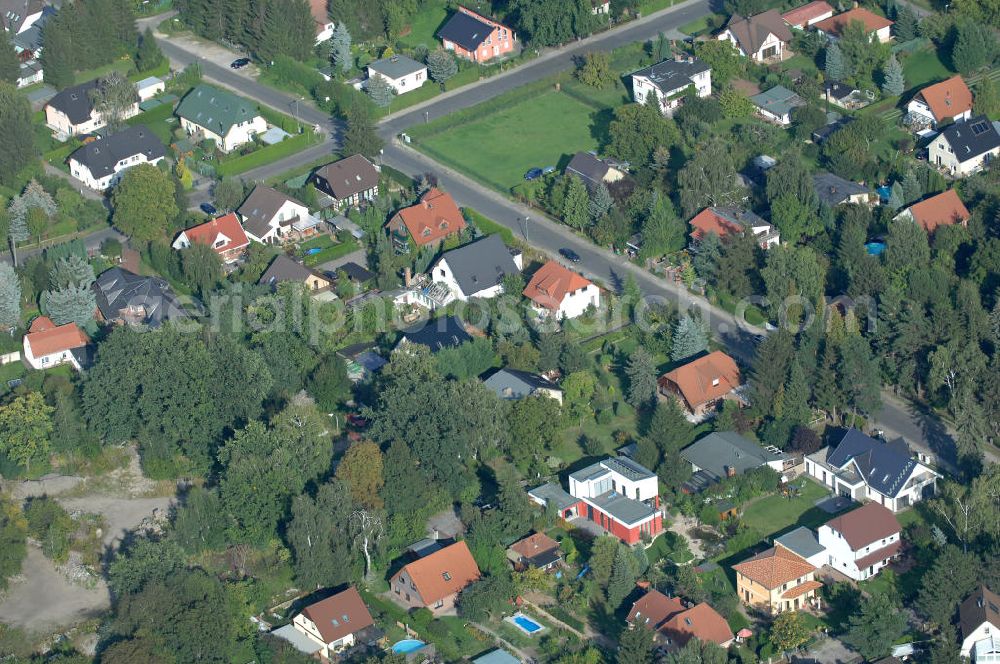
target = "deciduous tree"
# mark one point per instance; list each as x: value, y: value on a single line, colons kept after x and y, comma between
x: 25, y: 426
x: 361, y: 471
x: 10, y: 296
x: 143, y: 203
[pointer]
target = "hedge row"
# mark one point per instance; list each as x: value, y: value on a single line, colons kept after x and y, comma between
x: 265, y: 155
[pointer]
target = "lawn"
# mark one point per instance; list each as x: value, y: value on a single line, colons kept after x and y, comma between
x: 424, y: 26
x: 497, y: 149
x: 923, y: 67
x: 775, y: 513
x: 328, y: 250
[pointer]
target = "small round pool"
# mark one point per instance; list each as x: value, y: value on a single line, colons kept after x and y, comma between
x: 407, y: 645
x: 875, y: 248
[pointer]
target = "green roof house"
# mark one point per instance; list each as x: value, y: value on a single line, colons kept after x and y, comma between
x: 229, y: 120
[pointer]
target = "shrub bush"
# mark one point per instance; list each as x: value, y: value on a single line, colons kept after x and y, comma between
x: 51, y: 525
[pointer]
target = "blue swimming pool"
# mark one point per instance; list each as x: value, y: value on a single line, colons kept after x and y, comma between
x: 875, y: 248
x: 884, y: 192
x: 526, y: 623
x: 407, y: 645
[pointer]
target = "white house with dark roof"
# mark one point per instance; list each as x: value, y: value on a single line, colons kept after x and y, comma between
x: 72, y: 112
x: 861, y: 542
x: 219, y: 115
x: 349, y: 181
x: 762, y: 38
x: 510, y: 383
x: 862, y: 468
x: 101, y: 163
x: 979, y: 622
x: 670, y: 79
x: 19, y: 15
x: 271, y: 217
x: 403, y: 74
x: 965, y: 147
x: 476, y: 269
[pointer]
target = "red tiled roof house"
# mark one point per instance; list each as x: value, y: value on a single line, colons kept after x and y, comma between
x: 674, y: 623
x: 47, y: 345
x: 776, y: 580
x: 944, y: 209
x: 223, y: 234
x: 702, y: 384
x: 429, y: 222
x: 557, y: 291
x: 878, y: 27
x: 475, y: 37
x: 950, y: 99
x: 333, y: 624
x: 808, y: 14
x: 860, y: 543
x: 435, y: 580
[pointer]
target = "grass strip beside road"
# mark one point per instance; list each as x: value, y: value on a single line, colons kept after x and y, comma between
x: 266, y: 155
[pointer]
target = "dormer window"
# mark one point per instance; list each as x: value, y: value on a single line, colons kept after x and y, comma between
x: 444, y: 225
x: 715, y: 382
x: 446, y: 575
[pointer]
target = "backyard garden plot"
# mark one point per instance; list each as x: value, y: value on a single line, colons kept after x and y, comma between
x: 498, y: 147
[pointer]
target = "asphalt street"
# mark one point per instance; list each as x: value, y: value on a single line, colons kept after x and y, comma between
x: 923, y: 430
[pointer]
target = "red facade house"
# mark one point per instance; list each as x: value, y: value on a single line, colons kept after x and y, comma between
x: 475, y: 37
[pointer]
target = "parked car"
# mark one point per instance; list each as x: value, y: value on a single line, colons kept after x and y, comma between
x: 239, y: 63
x: 533, y: 173
x: 208, y: 208
x: 569, y: 255
x: 548, y: 169
x: 357, y: 421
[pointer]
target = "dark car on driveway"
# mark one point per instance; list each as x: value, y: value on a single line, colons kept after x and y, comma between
x: 569, y: 255
x: 239, y: 63
x: 533, y: 173
x: 208, y: 208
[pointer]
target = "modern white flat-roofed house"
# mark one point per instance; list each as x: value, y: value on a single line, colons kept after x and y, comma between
x: 476, y: 269
x: 221, y: 116
x: 101, y: 163
x: 979, y: 621
x: 72, y: 111
x: 863, y: 468
x: 669, y: 81
x: 862, y: 542
x: 400, y: 72
x: 762, y: 38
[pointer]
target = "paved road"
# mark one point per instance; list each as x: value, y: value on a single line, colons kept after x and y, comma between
x: 92, y: 241
x: 899, y: 418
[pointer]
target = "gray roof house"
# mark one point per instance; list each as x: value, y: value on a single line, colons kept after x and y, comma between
x: 726, y: 454
x: 348, y: 181
x: 863, y: 468
x: 804, y: 542
x: 477, y: 269
x: 834, y: 190
x: 103, y: 158
x: 437, y: 334
x: 76, y: 102
x: 514, y: 384
x: 591, y: 170
x: 129, y: 298
x: 777, y: 103
x: 284, y: 269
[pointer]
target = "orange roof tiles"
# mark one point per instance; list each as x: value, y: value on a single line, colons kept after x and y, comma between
x: 46, y: 338
x: 700, y: 621
x: 948, y: 98
x: 944, y: 209
x: 227, y: 225
x: 801, y: 589
x: 533, y: 545
x: 339, y: 615
x: 708, y: 221
x: 774, y: 567
x: 653, y: 609
x: 434, y: 218
x: 705, y: 379
x: 550, y: 285
x: 800, y: 16
x: 442, y: 573
x: 835, y: 25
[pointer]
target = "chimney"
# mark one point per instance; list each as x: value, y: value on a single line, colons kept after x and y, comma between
x: 730, y: 471
x: 407, y: 276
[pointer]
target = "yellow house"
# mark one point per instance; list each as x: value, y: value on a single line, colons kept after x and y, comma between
x: 776, y: 580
